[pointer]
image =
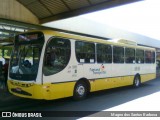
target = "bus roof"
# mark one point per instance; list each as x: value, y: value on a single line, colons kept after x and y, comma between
x: 92, y: 39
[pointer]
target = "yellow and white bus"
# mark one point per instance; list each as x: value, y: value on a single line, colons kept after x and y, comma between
x: 50, y: 65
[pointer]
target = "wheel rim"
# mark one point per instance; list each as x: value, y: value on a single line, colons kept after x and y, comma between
x: 80, y: 90
x: 137, y: 82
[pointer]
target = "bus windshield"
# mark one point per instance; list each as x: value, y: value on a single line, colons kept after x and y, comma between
x: 25, y: 56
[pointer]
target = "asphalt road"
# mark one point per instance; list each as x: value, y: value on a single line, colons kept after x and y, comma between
x: 119, y: 99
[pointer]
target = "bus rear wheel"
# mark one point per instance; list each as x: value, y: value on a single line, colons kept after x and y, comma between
x: 80, y: 91
x: 137, y: 81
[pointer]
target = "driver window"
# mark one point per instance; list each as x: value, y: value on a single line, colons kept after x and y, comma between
x: 57, y: 55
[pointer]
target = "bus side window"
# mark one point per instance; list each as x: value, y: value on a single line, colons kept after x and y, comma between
x: 57, y: 55
x: 104, y: 53
x: 139, y: 56
x: 153, y: 57
x: 148, y: 57
x: 129, y: 55
x: 85, y: 52
x: 118, y: 54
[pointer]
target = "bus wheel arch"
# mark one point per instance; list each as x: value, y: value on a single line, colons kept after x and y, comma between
x: 137, y: 80
x: 81, y: 89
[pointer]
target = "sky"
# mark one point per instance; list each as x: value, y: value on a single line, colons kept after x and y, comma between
x: 141, y: 17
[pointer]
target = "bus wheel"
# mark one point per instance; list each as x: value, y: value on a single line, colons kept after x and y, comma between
x: 137, y: 81
x: 80, y: 91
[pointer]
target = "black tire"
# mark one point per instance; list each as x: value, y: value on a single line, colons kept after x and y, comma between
x: 80, y: 91
x: 137, y: 81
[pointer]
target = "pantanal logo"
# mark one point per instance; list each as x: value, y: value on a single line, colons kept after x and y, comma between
x: 100, y: 70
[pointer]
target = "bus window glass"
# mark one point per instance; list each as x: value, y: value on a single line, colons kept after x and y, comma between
x: 139, y: 56
x: 153, y: 57
x: 36, y: 56
x: 104, y: 53
x: 22, y: 64
x: 148, y: 56
x: 129, y: 55
x: 85, y: 52
x: 57, y: 55
x: 118, y: 54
